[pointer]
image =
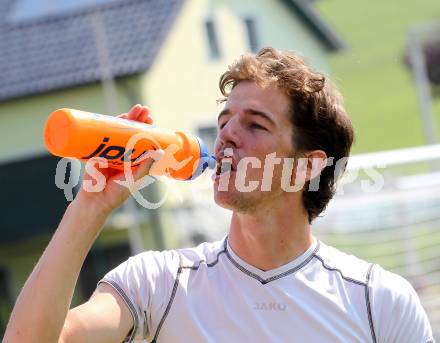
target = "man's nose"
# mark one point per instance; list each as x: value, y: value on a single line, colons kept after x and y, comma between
x: 229, y: 135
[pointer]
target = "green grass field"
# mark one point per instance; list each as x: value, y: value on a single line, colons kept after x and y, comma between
x: 378, y: 88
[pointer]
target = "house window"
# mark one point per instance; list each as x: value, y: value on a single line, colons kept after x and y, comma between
x: 208, y: 134
x: 211, y: 34
x: 252, y: 36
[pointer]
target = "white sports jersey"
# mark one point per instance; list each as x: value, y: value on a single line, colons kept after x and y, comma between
x: 209, y: 294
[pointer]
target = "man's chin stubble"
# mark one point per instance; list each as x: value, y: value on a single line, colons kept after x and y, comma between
x: 239, y: 203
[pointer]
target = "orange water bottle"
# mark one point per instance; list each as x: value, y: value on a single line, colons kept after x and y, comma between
x: 83, y: 135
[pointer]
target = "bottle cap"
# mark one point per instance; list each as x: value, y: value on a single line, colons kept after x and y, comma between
x: 206, y: 160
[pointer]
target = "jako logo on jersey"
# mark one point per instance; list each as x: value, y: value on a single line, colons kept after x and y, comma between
x: 269, y: 307
x: 114, y: 152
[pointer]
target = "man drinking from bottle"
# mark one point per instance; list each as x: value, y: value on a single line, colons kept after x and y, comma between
x: 269, y: 279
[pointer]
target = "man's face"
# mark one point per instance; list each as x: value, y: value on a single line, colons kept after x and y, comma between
x: 253, y: 124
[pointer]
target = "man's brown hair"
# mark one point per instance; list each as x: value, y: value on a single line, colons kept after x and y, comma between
x: 316, y: 111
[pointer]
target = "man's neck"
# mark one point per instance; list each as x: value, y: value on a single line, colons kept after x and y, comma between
x: 270, y: 240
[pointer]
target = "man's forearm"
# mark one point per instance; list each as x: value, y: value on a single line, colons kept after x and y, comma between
x: 44, y: 301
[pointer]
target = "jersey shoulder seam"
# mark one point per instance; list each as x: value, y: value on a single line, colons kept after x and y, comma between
x: 331, y: 268
x: 364, y: 284
x: 368, y: 302
x: 171, y: 299
x: 202, y: 261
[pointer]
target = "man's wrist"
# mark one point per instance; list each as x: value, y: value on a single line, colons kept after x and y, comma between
x: 88, y: 207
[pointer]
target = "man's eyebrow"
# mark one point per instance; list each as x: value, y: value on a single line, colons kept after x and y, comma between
x: 249, y: 111
x: 261, y: 114
x: 223, y: 113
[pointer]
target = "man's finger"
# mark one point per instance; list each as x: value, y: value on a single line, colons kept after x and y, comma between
x: 144, y: 168
x: 134, y: 112
x: 149, y: 119
x: 144, y: 114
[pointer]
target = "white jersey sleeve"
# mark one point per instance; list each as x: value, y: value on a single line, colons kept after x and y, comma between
x: 397, y: 313
x: 145, y: 282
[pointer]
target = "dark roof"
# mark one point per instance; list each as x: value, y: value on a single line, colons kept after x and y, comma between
x: 59, y: 51
x: 310, y: 17
x: 55, y: 52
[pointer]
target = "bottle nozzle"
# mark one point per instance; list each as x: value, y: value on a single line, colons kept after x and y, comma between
x: 212, y: 163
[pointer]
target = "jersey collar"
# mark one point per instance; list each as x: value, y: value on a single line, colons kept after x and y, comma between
x: 273, y: 274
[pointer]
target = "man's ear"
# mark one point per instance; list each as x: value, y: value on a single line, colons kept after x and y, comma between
x: 308, y: 165
x: 316, y: 162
